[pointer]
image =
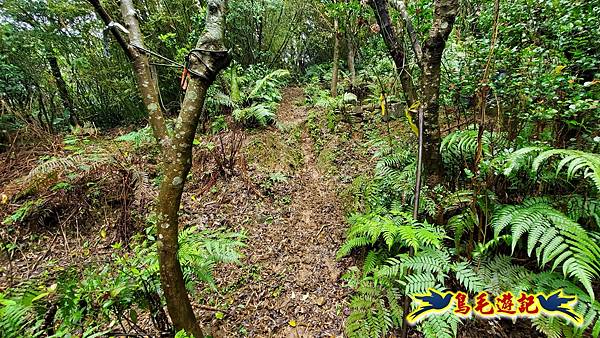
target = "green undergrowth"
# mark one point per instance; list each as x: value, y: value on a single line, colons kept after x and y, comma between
x: 475, y: 248
x: 99, y: 298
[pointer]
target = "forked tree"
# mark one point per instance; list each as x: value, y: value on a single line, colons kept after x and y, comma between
x: 206, y: 60
x: 428, y: 55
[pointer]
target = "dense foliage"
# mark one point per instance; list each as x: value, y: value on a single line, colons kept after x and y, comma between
x: 518, y: 208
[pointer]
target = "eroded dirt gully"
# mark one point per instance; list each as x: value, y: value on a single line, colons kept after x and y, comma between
x: 289, y: 282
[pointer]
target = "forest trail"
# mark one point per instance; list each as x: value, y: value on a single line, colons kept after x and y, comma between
x: 291, y: 250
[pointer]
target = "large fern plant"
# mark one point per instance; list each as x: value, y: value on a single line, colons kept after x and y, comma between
x: 572, y: 162
x: 553, y: 238
x: 388, y: 273
x: 558, y: 233
x: 255, y: 105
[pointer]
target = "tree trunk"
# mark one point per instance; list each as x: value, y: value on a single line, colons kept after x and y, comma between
x: 430, y: 89
x: 43, y: 114
x: 177, y: 161
x: 429, y: 58
x: 336, y: 58
x: 351, y: 56
x: 206, y: 61
x: 62, y: 89
x: 445, y: 12
x: 395, y: 48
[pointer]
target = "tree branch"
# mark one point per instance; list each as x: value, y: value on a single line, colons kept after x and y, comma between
x: 414, y: 39
x: 395, y: 48
x: 113, y: 29
x: 147, y: 84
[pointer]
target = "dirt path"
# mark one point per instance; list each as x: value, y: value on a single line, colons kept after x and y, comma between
x: 292, y: 285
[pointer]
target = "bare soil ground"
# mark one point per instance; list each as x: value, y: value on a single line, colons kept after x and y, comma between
x: 289, y: 284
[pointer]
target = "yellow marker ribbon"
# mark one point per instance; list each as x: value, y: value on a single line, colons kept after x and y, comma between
x: 407, y: 111
x: 382, y: 103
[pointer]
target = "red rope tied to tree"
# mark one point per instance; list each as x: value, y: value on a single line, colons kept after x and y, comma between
x: 185, y: 75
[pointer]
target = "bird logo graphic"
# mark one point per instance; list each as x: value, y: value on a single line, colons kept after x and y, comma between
x: 556, y: 304
x: 430, y: 303
x: 559, y: 304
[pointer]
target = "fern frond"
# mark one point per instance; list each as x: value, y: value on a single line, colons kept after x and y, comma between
x: 138, y: 137
x: 457, y: 199
x: 420, y: 283
x: 18, y: 316
x: 483, y: 248
x: 429, y: 260
x: 265, y: 86
x: 351, y: 244
x: 370, y: 317
x: 519, y: 158
x: 468, y: 277
x: 259, y: 114
x: 499, y: 274
x: 440, y: 326
x: 461, y: 223
x: 549, y: 326
x: 461, y: 146
x: 578, y: 161
x: 555, y: 237
x: 579, y: 207
x: 400, y: 230
x: 575, y: 162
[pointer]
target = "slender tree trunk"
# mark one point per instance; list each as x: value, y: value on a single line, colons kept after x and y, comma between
x: 177, y: 161
x: 351, y: 56
x: 395, y: 49
x: 429, y: 59
x: 415, y: 44
x: 445, y: 12
x: 147, y: 84
x: 43, y: 114
x: 52, y: 108
x: 62, y: 89
x: 336, y: 58
x: 206, y: 61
